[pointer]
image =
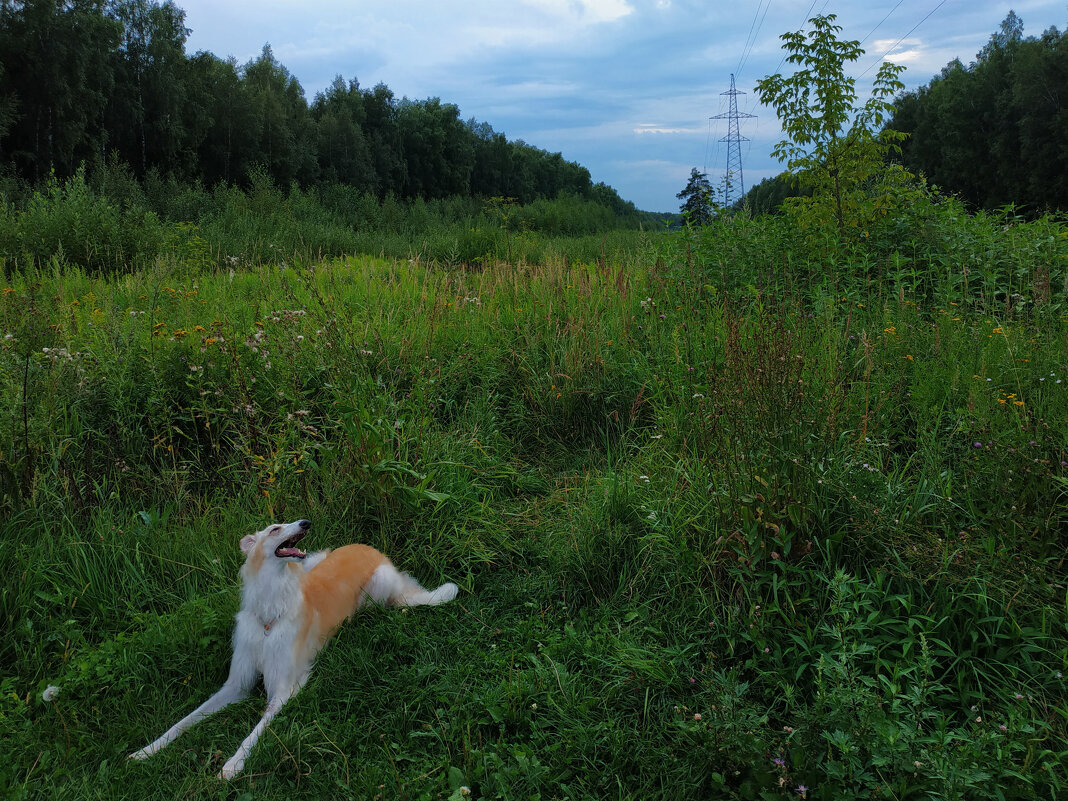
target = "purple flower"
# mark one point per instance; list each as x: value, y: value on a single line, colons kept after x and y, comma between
x: 978, y: 444
x: 779, y: 762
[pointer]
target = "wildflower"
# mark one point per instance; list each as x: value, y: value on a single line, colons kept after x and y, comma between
x: 803, y: 790
x: 1003, y: 727
x: 779, y: 762
x: 977, y: 444
x: 697, y: 716
x: 50, y: 693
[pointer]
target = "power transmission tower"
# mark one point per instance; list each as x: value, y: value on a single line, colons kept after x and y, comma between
x: 734, y: 141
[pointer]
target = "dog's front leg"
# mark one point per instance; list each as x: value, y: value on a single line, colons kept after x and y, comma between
x: 235, y: 689
x: 235, y: 763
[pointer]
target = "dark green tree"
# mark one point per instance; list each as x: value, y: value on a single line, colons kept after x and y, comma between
x: 438, y: 148
x: 57, y: 60
x: 343, y: 153
x: 147, y: 109
x: 697, y: 206
x: 995, y: 132
x: 224, y: 120
x: 283, y: 133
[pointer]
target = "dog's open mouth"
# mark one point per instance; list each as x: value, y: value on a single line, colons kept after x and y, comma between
x: 289, y: 547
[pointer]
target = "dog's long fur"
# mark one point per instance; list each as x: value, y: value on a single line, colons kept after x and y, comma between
x: 291, y: 603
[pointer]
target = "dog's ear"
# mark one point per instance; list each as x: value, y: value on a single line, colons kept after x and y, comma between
x: 248, y: 542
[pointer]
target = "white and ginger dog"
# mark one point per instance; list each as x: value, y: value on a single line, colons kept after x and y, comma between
x: 291, y: 603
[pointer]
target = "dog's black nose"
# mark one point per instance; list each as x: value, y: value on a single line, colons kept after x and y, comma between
x: 304, y: 523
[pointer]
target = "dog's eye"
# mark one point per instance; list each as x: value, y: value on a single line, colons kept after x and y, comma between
x: 275, y: 529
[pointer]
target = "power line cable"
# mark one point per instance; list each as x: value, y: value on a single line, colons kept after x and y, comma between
x: 749, y: 36
x: 884, y: 19
x: 903, y: 38
x: 752, y: 43
x: 808, y: 16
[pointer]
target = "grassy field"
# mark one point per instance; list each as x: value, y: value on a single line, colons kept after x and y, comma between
x: 746, y: 516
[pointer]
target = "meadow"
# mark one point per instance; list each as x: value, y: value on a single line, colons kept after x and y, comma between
x: 743, y: 511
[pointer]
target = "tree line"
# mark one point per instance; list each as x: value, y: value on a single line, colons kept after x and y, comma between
x: 88, y: 81
x: 995, y: 132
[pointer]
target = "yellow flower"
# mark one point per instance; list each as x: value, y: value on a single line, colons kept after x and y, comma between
x: 909, y: 357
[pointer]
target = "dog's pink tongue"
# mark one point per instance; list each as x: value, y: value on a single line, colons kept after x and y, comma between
x: 291, y: 552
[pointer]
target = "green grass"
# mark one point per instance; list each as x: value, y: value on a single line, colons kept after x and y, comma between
x: 741, y: 518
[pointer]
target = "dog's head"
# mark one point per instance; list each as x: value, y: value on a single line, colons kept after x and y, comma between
x: 278, y: 540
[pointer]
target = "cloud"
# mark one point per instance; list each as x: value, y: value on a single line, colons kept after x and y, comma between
x: 654, y: 128
x: 903, y: 51
x: 591, y: 11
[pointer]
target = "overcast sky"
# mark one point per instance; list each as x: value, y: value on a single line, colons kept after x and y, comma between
x: 624, y: 87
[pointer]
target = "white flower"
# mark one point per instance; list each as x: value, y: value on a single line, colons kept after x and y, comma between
x: 50, y: 693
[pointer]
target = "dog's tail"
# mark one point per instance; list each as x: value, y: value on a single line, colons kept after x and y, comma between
x: 390, y: 587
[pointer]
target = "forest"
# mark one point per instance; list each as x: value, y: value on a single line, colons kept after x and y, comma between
x: 88, y: 81
x: 993, y: 132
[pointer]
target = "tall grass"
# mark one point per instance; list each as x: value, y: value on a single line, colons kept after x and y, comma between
x: 746, y: 517
x: 109, y: 222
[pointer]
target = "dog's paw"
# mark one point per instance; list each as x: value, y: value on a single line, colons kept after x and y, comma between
x: 143, y: 753
x: 232, y: 767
